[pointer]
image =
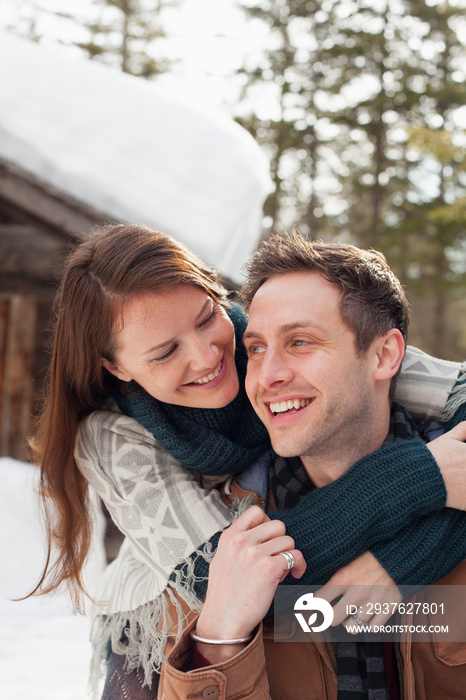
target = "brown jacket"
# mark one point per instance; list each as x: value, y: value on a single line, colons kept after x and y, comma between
x: 269, y: 670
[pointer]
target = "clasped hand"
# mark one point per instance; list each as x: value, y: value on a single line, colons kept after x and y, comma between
x: 243, y: 577
x: 364, y: 586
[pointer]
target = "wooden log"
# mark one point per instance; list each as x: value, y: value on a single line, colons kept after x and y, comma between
x: 29, y: 252
x: 17, y: 344
x: 28, y: 199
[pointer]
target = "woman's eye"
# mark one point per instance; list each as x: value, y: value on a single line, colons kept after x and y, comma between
x: 210, y: 317
x: 164, y: 357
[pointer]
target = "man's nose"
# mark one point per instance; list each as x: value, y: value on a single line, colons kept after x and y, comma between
x: 275, y: 368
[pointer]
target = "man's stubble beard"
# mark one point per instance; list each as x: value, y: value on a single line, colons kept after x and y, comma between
x: 343, y: 432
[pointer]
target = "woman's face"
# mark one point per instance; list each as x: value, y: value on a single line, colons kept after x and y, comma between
x: 179, y: 345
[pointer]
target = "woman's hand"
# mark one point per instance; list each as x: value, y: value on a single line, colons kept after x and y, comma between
x: 365, y: 585
x: 243, y: 577
x: 449, y: 451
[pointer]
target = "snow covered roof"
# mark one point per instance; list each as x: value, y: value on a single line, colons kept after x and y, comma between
x: 119, y: 144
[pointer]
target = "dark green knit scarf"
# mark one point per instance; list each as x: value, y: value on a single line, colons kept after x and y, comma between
x: 210, y: 441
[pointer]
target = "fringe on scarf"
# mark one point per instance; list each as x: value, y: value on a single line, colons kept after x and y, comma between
x: 141, y: 635
x: 456, y: 397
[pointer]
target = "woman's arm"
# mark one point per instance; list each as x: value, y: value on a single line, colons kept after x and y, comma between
x: 156, y: 502
x: 168, y: 517
x: 244, y: 575
x: 405, y: 487
x: 420, y: 554
x: 425, y: 552
x: 243, y: 676
x: 381, y: 494
x: 426, y: 385
x: 245, y: 572
x: 435, y: 544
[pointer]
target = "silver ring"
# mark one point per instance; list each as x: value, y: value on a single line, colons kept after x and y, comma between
x: 357, y: 621
x: 290, y: 560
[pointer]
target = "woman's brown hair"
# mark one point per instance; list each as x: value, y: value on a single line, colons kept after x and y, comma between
x: 114, y: 264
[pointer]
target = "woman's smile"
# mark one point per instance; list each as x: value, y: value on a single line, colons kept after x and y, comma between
x: 209, y: 378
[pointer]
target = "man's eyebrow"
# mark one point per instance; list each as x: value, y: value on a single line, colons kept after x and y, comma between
x: 172, y: 340
x: 249, y: 334
x: 286, y: 328
x: 298, y: 325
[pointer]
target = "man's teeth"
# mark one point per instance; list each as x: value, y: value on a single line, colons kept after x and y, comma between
x: 283, y: 406
x: 209, y: 377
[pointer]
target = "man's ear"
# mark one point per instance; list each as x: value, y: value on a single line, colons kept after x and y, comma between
x: 115, y: 370
x: 389, y: 353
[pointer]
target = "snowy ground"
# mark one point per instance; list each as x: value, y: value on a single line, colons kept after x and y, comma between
x: 44, y: 648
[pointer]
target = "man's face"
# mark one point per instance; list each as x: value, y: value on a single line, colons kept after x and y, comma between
x: 305, y: 381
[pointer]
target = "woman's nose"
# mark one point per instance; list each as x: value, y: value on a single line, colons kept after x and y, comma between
x: 204, y: 354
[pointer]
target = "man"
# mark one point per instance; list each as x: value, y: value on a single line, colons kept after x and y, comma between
x: 325, y: 341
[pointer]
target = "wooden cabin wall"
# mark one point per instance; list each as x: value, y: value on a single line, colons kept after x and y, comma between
x: 38, y: 227
x: 30, y: 269
x: 17, y: 351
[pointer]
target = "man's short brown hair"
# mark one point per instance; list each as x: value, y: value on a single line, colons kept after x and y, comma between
x: 373, y: 300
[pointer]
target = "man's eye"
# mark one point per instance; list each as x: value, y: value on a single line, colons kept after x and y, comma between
x: 300, y: 342
x: 255, y: 349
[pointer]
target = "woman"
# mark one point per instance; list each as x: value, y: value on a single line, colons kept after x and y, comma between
x: 146, y: 379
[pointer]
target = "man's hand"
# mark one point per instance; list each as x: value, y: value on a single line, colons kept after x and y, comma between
x: 365, y: 585
x: 449, y: 451
x: 243, y: 577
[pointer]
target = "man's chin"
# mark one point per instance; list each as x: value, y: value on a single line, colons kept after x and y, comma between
x: 283, y: 449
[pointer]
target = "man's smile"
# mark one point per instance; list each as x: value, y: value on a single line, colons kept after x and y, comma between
x: 287, y: 405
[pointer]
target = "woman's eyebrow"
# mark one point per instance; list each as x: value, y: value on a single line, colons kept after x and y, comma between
x: 158, y: 347
x: 204, y: 307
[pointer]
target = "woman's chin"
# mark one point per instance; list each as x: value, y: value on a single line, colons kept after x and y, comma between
x: 218, y: 397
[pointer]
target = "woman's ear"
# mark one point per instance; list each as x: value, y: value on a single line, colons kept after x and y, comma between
x: 390, y: 350
x: 115, y: 370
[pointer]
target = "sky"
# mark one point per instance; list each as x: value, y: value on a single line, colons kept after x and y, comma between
x: 213, y: 38
x: 208, y: 38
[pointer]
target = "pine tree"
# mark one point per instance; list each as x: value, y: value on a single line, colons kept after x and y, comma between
x: 353, y: 79
x: 436, y: 239
x: 125, y: 33
x: 296, y: 72
x: 22, y: 18
x: 410, y: 179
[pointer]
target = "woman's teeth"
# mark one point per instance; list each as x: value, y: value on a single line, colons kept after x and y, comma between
x: 210, y: 377
x: 284, y: 406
